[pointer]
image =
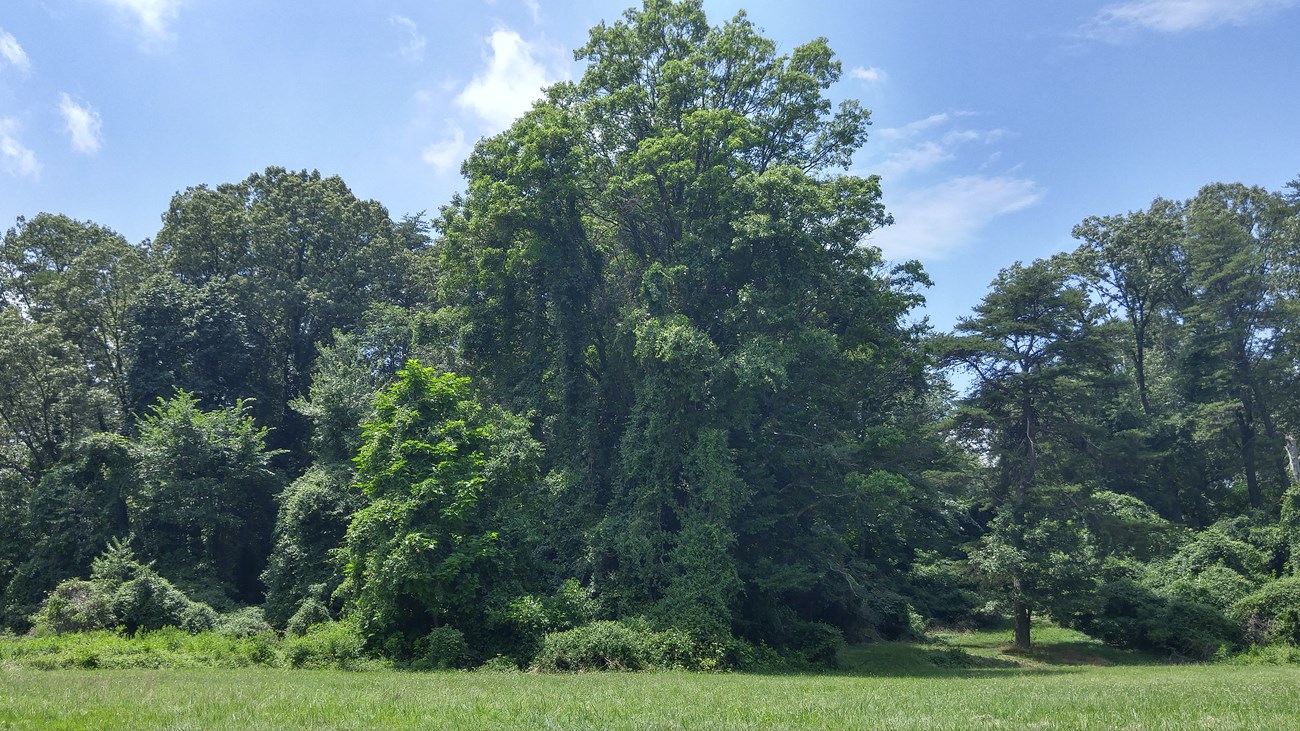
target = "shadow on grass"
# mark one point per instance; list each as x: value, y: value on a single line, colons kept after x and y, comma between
x: 987, y: 653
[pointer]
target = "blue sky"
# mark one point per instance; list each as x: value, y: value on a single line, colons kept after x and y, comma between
x: 998, y: 125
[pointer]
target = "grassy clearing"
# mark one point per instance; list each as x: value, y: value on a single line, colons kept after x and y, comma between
x: 1132, y: 697
x: 958, y: 681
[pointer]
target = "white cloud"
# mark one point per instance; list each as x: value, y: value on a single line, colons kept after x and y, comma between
x: 926, y: 148
x: 413, y: 49
x: 934, y: 222
x: 85, y: 128
x: 912, y: 129
x: 871, y: 75
x: 449, y: 153
x: 15, y: 159
x: 13, y: 53
x: 152, y: 16
x: 535, y: 8
x: 915, y: 159
x: 512, y: 81
x: 1120, y: 21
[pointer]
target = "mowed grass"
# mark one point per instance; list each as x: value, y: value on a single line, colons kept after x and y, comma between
x: 1077, y: 697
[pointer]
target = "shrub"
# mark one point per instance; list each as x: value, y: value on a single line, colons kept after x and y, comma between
x: 75, y: 606
x: 327, y: 645
x: 311, y: 612
x: 1129, y: 614
x: 245, y: 622
x: 443, y: 648
x: 1271, y: 614
x: 1217, y: 586
x: 624, y: 645
x: 817, y: 643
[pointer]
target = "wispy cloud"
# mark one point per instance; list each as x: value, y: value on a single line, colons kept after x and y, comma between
x: 447, y: 154
x: 153, y: 18
x: 413, y: 49
x: 15, y: 158
x: 12, y: 53
x: 923, y: 145
x: 937, y: 221
x: 1121, y: 21
x: 511, y: 82
x: 870, y: 75
x: 85, y: 128
x: 535, y: 8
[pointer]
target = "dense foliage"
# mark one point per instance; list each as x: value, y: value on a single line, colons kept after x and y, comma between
x: 642, y: 396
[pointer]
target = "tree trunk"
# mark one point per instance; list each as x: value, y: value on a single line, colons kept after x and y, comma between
x: 1293, y: 457
x: 1139, y: 362
x: 1022, y: 624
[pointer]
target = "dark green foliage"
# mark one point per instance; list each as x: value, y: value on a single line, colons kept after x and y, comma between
x: 191, y: 338
x: 1271, y: 614
x: 121, y: 593
x: 300, y: 257
x: 530, y: 618
x: 314, y: 513
x: 1128, y: 614
x: 76, y: 509
x: 311, y: 611
x: 206, y: 494
x: 663, y: 266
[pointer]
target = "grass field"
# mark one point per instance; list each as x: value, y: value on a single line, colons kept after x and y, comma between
x: 1069, y: 683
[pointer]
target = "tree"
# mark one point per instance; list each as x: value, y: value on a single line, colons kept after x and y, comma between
x: 1038, y: 356
x: 663, y: 266
x: 76, y: 509
x: 301, y: 257
x: 81, y: 279
x: 1134, y: 262
x: 441, y: 540
x: 203, y: 508
x: 1233, y: 321
x: 315, y: 509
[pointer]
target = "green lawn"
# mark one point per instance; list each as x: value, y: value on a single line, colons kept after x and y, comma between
x: 1060, y: 697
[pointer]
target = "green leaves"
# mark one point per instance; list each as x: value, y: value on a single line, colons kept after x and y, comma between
x: 444, y: 475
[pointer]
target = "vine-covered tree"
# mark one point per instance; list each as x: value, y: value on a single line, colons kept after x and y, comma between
x: 442, y: 539
x: 661, y: 263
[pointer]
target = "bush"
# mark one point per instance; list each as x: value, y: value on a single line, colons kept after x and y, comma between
x: 817, y: 643
x: 625, y: 645
x: 327, y: 645
x: 1271, y: 614
x: 939, y: 592
x: 1131, y: 615
x: 1217, y: 586
x: 443, y: 648
x: 311, y: 612
x: 245, y: 622
x: 75, y: 606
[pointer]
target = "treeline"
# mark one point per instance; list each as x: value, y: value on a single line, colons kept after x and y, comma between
x: 642, y: 386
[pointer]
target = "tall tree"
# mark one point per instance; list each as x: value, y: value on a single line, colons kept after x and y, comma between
x: 1134, y: 261
x: 81, y: 279
x: 1233, y: 320
x: 1037, y: 356
x: 302, y: 257
x: 662, y: 264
